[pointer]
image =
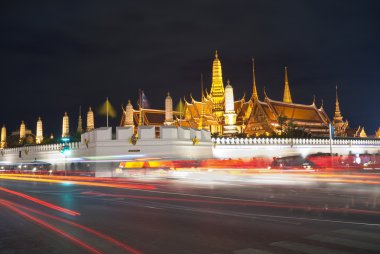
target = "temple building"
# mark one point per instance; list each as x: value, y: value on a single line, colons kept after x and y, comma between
x: 219, y: 112
x: 252, y: 117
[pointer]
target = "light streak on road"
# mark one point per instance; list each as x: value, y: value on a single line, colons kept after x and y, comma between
x: 84, y: 228
x: 237, y: 202
x: 94, y: 182
x: 50, y: 227
x: 41, y: 202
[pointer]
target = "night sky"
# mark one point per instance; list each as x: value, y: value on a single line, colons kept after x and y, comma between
x: 57, y: 56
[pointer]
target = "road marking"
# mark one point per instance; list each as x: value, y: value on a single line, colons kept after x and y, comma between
x: 351, y: 232
x: 251, y: 251
x: 345, y: 242
x: 206, y: 196
x: 152, y: 207
x: 244, y: 215
x: 306, y: 248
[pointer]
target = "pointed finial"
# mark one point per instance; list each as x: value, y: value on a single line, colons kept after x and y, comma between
x: 255, y: 95
x: 216, y: 54
x: 322, y: 103
x: 336, y: 93
x: 265, y: 92
x: 168, y: 94
x: 314, y: 99
x: 287, y: 96
x: 202, y: 86
x: 89, y: 108
x: 129, y: 101
x: 228, y: 82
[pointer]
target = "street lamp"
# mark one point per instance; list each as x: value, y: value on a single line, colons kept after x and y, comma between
x: 66, y: 151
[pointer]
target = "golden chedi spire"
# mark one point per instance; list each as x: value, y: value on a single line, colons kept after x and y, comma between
x: 338, y: 115
x: 217, y: 87
x: 287, y: 96
x: 255, y: 96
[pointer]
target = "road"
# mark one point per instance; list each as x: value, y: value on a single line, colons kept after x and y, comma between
x: 271, y: 213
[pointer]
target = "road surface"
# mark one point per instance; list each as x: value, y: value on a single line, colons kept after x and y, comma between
x: 274, y: 213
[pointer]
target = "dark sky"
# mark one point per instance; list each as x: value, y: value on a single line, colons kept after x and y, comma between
x: 57, y: 56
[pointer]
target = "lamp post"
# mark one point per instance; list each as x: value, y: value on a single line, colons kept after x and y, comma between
x: 66, y: 151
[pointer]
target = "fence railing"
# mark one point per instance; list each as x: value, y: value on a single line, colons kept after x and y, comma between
x: 39, y: 148
x: 293, y: 141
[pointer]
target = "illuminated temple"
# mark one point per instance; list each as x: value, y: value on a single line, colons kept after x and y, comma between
x: 219, y: 112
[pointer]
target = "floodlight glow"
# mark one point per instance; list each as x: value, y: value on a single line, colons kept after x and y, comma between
x: 65, y: 139
x: 66, y: 152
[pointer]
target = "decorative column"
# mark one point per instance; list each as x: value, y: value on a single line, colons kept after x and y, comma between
x: 39, y: 131
x: 90, y: 120
x: 80, y: 125
x: 229, y: 127
x: 3, y: 143
x: 128, y: 115
x: 65, y: 126
x: 22, y: 131
x: 168, y: 110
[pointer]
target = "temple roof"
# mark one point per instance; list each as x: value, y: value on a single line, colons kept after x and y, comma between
x: 297, y: 112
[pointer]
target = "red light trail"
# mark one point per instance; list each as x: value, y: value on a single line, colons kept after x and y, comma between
x: 87, y: 229
x: 50, y: 227
x: 239, y: 203
x: 41, y: 202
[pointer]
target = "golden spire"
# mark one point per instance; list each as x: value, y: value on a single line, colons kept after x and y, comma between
x: 338, y: 115
x: 202, y: 86
x: 217, y: 87
x: 200, y: 125
x: 287, y: 95
x: 254, y: 88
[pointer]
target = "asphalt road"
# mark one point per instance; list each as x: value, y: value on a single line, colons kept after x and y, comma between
x: 274, y: 214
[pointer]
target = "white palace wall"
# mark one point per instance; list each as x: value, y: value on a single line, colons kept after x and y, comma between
x: 107, y: 151
x: 276, y: 147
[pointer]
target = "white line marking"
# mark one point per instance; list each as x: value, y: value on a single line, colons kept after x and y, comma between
x: 345, y: 242
x: 306, y: 248
x: 251, y: 251
x: 350, y: 232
